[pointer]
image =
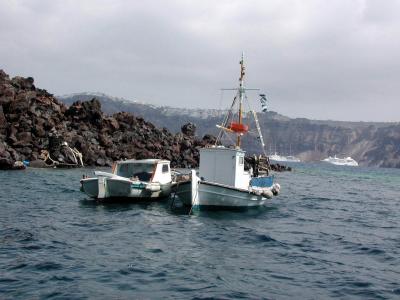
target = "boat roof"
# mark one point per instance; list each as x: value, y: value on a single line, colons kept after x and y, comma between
x: 222, y: 148
x: 144, y: 161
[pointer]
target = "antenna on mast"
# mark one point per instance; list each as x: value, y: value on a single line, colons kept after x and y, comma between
x: 241, y: 93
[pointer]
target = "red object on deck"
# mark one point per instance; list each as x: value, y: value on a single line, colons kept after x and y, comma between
x: 238, y: 128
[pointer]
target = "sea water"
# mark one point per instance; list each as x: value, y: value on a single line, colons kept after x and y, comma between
x: 333, y: 232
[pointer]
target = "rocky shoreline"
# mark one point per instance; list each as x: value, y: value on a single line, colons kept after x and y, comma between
x: 32, y: 121
x: 35, y: 126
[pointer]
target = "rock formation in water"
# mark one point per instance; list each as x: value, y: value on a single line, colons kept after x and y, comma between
x: 33, y: 122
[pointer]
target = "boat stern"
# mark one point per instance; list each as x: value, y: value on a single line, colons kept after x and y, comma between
x: 90, y: 187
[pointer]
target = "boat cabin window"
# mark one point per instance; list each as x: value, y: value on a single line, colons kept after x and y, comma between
x: 241, y: 160
x: 165, y: 168
x: 139, y: 171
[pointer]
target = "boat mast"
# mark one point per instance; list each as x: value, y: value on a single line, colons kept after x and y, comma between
x: 239, y: 99
x: 241, y: 93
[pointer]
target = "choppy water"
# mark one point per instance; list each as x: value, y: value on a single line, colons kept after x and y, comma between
x: 334, y: 232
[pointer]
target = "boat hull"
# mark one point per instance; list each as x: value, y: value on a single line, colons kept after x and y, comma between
x: 283, y: 159
x: 343, y: 164
x: 338, y: 163
x: 212, y: 196
x: 90, y: 187
x: 109, y: 188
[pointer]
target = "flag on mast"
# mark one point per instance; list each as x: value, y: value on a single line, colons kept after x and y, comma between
x: 263, y: 101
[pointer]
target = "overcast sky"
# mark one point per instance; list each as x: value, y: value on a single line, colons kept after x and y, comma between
x: 326, y: 59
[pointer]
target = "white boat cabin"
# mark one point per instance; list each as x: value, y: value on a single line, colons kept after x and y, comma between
x: 224, y: 166
x: 146, y: 170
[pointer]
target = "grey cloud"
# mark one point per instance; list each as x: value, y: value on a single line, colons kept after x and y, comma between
x: 316, y: 59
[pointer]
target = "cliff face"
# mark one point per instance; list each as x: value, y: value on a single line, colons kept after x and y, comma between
x: 371, y: 144
x: 32, y: 120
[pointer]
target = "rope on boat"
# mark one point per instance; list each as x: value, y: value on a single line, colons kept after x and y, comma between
x: 76, y: 155
x: 225, y: 122
x: 47, y: 157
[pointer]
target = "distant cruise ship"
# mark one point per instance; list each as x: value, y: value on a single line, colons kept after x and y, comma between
x: 348, y: 161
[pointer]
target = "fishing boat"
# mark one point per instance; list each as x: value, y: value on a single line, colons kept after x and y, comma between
x: 347, y: 161
x: 137, y: 179
x: 222, y: 181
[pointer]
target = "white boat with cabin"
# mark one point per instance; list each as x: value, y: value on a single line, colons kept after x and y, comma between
x: 282, y: 158
x: 347, y: 161
x: 222, y: 181
x: 277, y: 157
x: 137, y: 179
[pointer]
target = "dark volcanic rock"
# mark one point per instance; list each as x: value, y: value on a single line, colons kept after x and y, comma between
x: 208, y: 139
x: 87, y: 111
x: 35, y: 126
x: 3, y: 121
x: 6, y: 160
x: 189, y: 129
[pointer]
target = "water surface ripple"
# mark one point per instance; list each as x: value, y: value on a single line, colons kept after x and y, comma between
x: 334, y: 232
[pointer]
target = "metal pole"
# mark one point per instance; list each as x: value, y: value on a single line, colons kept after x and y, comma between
x: 241, y: 91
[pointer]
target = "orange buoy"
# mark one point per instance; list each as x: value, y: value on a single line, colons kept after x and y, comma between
x: 238, y: 128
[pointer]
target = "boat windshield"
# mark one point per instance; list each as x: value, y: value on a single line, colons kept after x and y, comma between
x: 137, y: 171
